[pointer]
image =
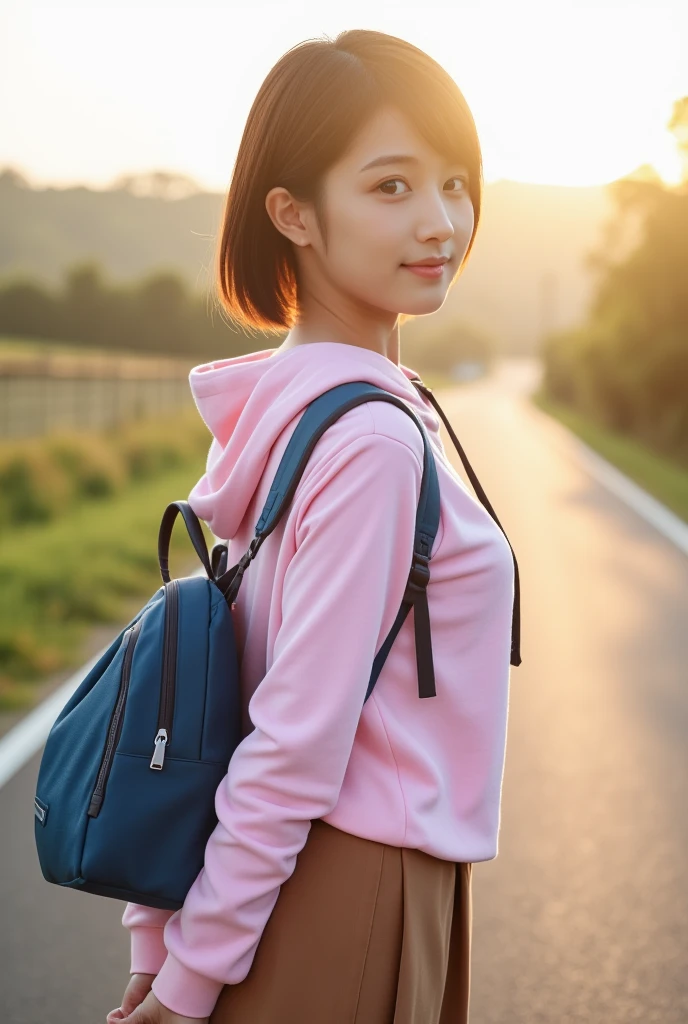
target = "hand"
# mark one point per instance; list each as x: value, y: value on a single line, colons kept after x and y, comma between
x: 136, y: 991
x: 149, y: 1011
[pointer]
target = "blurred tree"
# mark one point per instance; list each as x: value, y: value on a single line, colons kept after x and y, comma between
x: 628, y: 365
x: 157, y: 314
x: 84, y: 302
x: 29, y: 309
x: 163, y: 312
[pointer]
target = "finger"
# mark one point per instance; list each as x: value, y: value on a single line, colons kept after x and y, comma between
x: 115, y: 1015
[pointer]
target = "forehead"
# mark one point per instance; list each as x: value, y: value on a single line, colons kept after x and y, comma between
x: 388, y: 133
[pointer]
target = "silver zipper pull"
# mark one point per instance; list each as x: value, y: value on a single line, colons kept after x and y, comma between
x: 159, y: 754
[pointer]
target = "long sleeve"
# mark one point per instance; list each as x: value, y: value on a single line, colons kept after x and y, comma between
x: 341, y: 592
x: 146, y: 924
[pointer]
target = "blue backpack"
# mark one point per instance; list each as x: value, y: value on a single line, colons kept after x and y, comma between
x: 125, y: 795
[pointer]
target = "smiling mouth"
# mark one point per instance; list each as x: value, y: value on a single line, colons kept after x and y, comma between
x: 429, y: 261
x: 432, y: 270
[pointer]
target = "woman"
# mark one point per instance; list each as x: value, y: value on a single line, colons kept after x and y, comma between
x: 336, y: 884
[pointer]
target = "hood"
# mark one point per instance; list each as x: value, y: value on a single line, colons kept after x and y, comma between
x: 248, y: 400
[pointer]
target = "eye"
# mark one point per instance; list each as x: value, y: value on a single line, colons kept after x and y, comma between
x: 391, y: 181
x: 460, y: 178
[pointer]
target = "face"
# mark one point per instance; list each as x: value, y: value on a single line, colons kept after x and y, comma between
x: 412, y: 203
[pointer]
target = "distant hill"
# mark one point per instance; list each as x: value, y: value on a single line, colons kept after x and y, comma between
x: 526, y: 273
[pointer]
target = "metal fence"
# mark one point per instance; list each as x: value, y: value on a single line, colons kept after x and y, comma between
x: 45, y: 393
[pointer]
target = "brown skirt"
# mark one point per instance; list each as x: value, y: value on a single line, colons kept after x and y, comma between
x: 361, y: 933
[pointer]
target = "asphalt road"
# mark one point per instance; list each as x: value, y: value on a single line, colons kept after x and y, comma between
x: 583, y: 915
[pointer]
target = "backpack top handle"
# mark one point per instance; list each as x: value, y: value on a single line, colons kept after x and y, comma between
x: 194, y: 530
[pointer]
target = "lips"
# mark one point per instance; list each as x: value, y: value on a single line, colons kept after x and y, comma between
x: 433, y: 272
x: 429, y: 261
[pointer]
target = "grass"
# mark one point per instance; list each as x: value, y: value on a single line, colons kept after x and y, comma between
x: 96, y: 565
x: 664, y: 479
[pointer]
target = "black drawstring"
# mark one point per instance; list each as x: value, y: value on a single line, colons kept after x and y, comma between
x: 516, y: 614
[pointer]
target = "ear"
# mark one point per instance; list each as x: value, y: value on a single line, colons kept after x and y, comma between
x: 287, y: 214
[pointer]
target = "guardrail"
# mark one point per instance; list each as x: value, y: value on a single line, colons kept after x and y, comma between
x: 41, y: 393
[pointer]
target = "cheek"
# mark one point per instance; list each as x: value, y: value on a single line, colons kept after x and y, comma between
x: 355, y: 252
x: 369, y: 228
x: 370, y: 242
x: 387, y: 228
x: 463, y: 221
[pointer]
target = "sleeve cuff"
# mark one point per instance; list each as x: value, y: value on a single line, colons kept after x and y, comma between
x: 185, y: 991
x: 148, y: 950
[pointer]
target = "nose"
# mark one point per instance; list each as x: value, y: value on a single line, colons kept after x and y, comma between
x: 434, y: 221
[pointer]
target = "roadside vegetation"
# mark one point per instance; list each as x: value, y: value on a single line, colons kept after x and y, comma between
x: 79, y: 519
x: 663, y: 478
x: 620, y: 378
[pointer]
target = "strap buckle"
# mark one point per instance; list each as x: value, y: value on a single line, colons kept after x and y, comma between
x: 249, y: 555
x: 230, y: 587
x: 419, y: 577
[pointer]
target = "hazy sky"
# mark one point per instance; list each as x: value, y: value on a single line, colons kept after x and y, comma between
x: 562, y: 93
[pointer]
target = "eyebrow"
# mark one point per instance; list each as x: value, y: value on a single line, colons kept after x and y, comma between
x: 394, y: 158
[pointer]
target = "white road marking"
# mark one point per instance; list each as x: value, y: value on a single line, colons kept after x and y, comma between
x: 635, y: 497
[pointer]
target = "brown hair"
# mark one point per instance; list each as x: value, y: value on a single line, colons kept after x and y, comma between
x: 308, y: 110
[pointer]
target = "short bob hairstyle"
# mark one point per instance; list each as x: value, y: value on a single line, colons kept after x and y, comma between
x: 308, y: 110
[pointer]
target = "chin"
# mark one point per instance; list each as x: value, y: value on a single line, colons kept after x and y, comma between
x: 422, y: 307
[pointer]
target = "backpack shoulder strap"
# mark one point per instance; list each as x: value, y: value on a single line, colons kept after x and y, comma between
x: 317, y: 417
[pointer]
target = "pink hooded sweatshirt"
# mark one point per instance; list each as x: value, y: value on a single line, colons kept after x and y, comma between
x: 313, y: 610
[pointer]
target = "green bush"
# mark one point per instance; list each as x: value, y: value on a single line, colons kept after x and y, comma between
x: 97, y: 565
x: 158, y: 446
x: 95, y: 466
x: 41, y: 479
x: 34, y: 487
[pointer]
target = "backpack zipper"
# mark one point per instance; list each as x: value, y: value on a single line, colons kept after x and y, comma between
x: 130, y: 638
x: 169, y: 675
